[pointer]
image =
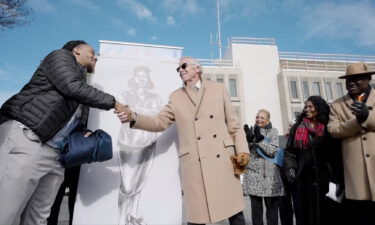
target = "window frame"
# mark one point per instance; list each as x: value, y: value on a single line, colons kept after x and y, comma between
x: 319, y: 81
x: 296, y: 80
x: 303, y: 80
x: 329, y: 83
x: 236, y: 78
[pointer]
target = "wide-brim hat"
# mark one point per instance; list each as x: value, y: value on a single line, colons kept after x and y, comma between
x: 357, y: 69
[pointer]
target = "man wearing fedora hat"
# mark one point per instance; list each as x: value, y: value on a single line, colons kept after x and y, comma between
x: 352, y: 119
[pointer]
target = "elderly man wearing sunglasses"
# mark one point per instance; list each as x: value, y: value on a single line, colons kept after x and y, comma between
x: 210, y: 139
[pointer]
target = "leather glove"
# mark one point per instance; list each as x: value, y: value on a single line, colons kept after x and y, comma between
x: 249, y: 133
x: 240, y: 162
x: 290, y: 175
x: 360, y: 110
x: 243, y: 159
x: 258, y: 136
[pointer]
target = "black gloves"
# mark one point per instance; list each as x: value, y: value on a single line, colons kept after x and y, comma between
x: 360, y: 110
x: 253, y: 134
x: 258, y: 136
x: 290, y: 175
x: 249, y: 133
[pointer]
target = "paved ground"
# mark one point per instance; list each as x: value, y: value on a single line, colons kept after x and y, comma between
x: 64, y: 214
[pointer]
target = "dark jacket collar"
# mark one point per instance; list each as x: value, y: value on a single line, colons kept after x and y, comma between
x: 367, y: 93
x: 268, y: 126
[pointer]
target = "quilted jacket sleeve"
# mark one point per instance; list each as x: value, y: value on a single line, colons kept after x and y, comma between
x: 64, y: 72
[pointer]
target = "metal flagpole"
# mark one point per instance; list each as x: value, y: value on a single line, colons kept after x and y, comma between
x: 218, y: 26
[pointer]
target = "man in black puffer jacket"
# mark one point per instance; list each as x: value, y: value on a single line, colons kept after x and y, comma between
x: 34, y: 121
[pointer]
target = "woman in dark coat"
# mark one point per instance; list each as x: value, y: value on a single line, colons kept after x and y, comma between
x: 311, y: 160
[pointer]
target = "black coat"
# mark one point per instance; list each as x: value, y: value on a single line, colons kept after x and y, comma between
x: 315, y: 167
x: 49, y: 100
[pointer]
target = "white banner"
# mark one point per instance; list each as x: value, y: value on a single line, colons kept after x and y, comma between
x: 141, y: 184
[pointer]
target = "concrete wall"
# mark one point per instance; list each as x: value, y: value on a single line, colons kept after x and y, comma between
x: 260, y: 66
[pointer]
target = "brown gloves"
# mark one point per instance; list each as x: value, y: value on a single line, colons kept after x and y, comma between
x: 240, y: 162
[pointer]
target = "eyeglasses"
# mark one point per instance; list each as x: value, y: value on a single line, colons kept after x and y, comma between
x: 183, y: 66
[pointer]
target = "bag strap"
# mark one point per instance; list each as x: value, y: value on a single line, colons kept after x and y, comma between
x: 277, y: 159
x: 97, y: 133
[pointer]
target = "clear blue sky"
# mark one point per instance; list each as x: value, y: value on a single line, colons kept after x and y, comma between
x: 317, y: 26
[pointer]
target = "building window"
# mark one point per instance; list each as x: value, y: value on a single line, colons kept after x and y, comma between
x: 207, y: 76
x: 232, y: 87
x: 340, y: 91
x: 293, y: 89
x: 305, y: 90
x: 220, y: 78
x: 329, y: 91
x: 316, y: 88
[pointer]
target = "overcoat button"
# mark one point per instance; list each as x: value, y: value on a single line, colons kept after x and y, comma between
x: 214, y: 135
x: 218, y: 156
x: 199, y: 138
x: 211, y: 116
x: 364, y: 138
x: 367, y: 155
x: 196, y: 118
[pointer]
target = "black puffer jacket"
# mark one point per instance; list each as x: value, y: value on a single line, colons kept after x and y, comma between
x: 48, y: 101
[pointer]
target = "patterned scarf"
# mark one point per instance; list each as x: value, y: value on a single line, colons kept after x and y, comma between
x: 304, y: 129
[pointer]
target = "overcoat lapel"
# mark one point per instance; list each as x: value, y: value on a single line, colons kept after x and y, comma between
x: 191, y: 93
x: 200, y: 96
x: 348, y: 100
x: 194, y: 95
x: 371, y: 98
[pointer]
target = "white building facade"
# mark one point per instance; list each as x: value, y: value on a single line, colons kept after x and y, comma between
x: 258, y: 76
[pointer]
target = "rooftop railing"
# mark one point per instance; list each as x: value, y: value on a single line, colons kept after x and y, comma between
x: 327, y: 57
x: 322, y: 62
x: 251, y: 40
x: 216, y: 63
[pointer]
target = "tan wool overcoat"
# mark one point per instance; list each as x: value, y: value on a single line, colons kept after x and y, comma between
x: 358, y: 146
x: 209, y: 132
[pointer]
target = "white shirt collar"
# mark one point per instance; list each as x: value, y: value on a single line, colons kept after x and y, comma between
x: 197, y: 85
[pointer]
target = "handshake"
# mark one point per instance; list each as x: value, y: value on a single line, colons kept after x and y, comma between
x: 253, y: 135
x: 124, y: 113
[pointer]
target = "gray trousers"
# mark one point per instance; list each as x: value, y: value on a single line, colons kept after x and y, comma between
x: 30, y: 176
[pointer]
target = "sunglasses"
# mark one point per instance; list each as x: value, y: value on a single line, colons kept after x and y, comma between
x: 183, y: 66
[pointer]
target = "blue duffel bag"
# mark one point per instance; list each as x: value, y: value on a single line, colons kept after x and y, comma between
x: 78, y: 149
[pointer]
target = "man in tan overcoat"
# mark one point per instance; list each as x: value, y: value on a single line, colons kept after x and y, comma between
x: 352, y: 119
x: 209, y: 133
